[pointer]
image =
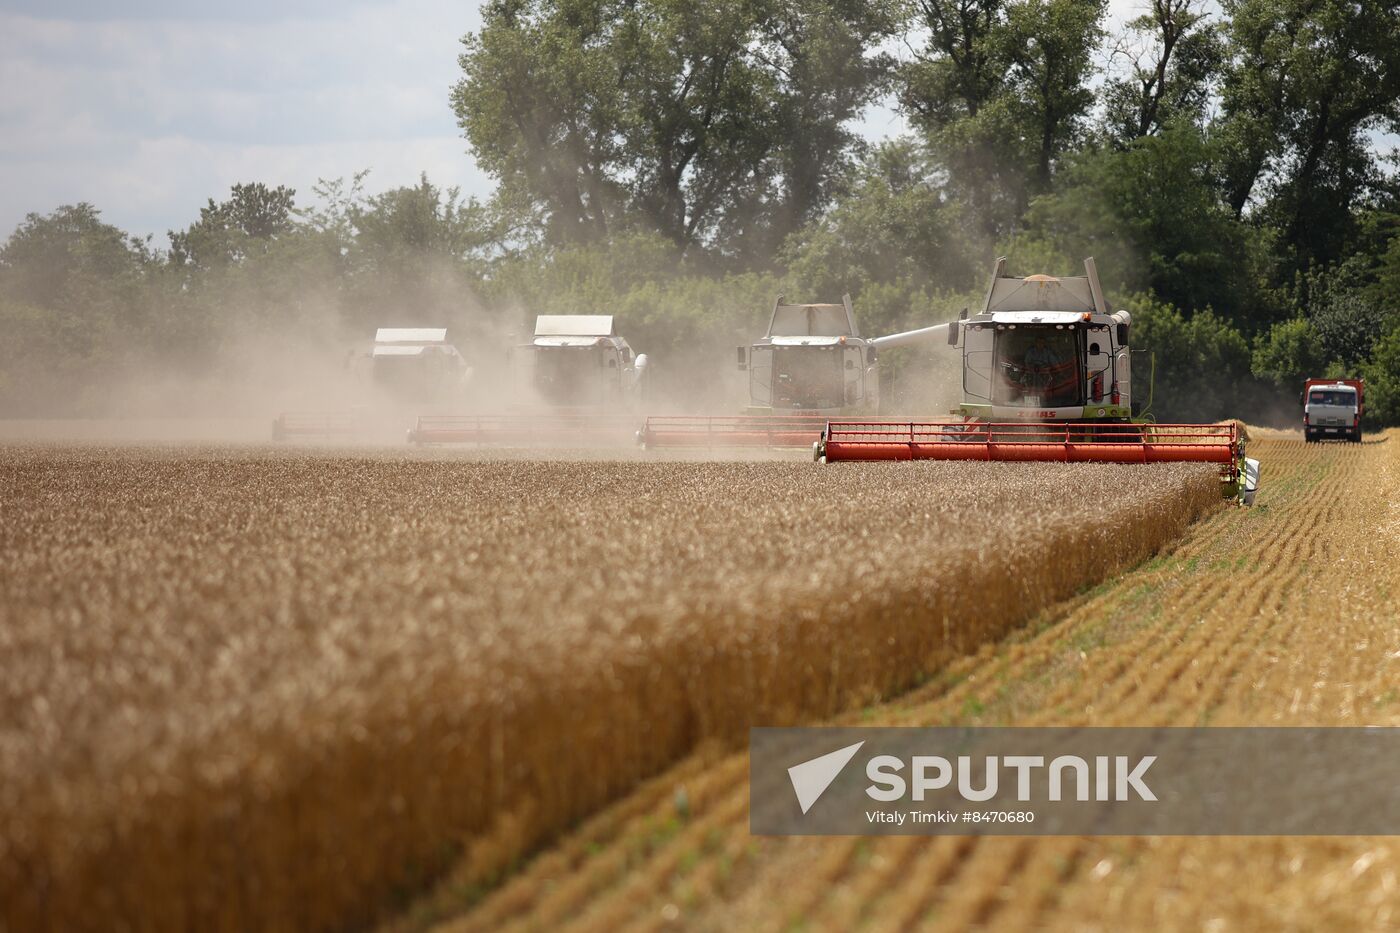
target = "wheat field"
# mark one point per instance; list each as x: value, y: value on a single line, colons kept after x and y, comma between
x: 1280, y: 615
x: 255, y: 689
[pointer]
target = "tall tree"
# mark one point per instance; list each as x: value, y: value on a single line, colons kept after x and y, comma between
x: 1170, y: 59
x: 959, y: 72
x: 722, y: 124
x: 71, y: 261
x: 252, y: 217
x: 1050, y: 46
x: 417, y: 257
x: 1001, y: 90
x: 1308, y: 83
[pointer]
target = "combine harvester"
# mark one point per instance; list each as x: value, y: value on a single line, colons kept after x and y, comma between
x: 811, y: 365
x: 1046, y: 377
x: 406, y: 365
x: 585, y: 378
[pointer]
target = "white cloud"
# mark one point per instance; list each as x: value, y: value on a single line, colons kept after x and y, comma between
x: 147, y: 117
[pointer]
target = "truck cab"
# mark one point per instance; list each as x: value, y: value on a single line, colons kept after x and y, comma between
x: 1332, y: 408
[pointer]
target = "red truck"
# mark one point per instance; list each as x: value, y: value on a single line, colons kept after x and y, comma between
x: 1333, y: 408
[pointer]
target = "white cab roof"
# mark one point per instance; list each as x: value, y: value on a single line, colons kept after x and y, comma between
x: 565, y: 341
x: 418, y: 335
x: 1037, y: 317
x: 806, y: 341
x: 574, y: 325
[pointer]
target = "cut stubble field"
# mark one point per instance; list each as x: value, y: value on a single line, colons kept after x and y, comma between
x: 274, y: 689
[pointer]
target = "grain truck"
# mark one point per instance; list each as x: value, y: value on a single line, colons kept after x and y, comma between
x: 1332, y: 408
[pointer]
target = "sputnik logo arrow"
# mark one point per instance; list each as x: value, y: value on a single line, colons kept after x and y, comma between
x: 811, y: 778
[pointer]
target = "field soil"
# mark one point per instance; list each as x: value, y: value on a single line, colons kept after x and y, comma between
x: 1282, y: 615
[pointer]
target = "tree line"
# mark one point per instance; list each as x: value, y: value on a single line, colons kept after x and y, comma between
x: 680, y: 164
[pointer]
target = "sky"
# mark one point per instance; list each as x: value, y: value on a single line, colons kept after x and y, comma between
x: 148, y: 108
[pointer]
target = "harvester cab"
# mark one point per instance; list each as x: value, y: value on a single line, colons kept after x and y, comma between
x: 416, y: 364
x: 813, y: 360
x: 580, y: 361
x: 1046, y: 348
x: 811, y: 364
x: 404, y: 366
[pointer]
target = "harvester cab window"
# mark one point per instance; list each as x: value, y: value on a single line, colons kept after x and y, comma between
x: 1098, y: 365
x: 855, y: 376
x: 569, y: 375
x: 977, y: 362
x: 1038, y: 367
x: 808, y: 377
x: 761, y: 376
x: 1332, y: 397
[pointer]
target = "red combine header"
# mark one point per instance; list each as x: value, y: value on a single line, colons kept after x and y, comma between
x: 1051, y: 442
x: 557, y: 429
x: 316, y: 425
x: 795, y: 430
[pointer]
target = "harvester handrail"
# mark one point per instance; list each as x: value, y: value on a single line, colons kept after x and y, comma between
x: 797, y: 429
x: 517, y: 427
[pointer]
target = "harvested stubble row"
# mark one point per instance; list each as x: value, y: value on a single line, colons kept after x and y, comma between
x: 273, y: 690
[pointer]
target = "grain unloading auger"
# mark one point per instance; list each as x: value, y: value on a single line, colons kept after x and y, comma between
x: 1046, y: 372
x: 811, y: 365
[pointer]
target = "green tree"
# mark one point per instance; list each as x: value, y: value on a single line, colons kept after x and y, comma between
x: 1170, y: 58
x: 1152, y: 217
x: 1202, y: 364
x: 1289, y: 353
x: 72, y: 304
x: 1308, y: 82
x: 894, y: 226
x: 70, y: 261
x: 723, y: 126
x: 418, y: 255
x: 1001, y: 90
x: 228, y: 232
x: 1382, y: 375
x: 1050, y: 46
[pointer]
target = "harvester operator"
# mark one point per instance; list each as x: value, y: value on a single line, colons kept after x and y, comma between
x: 1041, y: 358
